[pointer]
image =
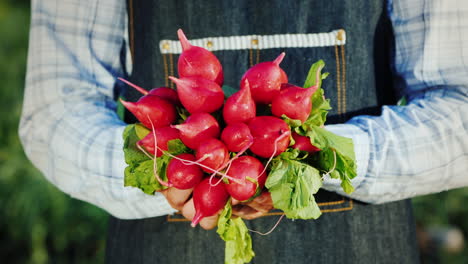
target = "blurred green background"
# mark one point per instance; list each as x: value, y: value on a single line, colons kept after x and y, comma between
x: 40, y: 224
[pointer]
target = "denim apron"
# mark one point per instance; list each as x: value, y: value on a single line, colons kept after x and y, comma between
x: 354, y: 39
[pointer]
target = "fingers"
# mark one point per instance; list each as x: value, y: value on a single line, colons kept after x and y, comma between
x: 246, y: 212
x: 177, y: 198
x: 209, y: 222
x: 234, y: 201
x: 262, y: 203
x: 254, y: 209
x: 250, y: 210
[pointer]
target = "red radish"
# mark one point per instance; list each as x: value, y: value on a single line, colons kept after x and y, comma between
x: 199, y: 95
x: 150, y: 107
x: 237, y: 136
x: 239, y: 107
x: 208, y: 200
x: 163, y: 135
x: 183, y: 176
x: 165, y: 93
x: 197, y: 128
x: 212, y: 153
x: 271, y: 136
x: 265, y: 80
x: 250, y: 171
x: 198, y: 62
x: 293, y: 101
x: 303, y: 143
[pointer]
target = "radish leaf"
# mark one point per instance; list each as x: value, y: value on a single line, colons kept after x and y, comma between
x: 292, y: 185
x: 176, y: 147
x: 228, y: 90
x: 336, y: 156
x: 236, y: 235
x: 320, y: 108
x: 141, y: 175
x: 320, y: 105
x: 314, y: 71
x: 132, y: 154
x: 139, y: 172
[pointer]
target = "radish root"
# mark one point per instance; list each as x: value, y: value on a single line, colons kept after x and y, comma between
x: 271, y: 230
x: 228, y: 164
x: 155, y: 160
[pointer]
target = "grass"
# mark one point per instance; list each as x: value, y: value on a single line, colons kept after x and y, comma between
x: 38, y: 224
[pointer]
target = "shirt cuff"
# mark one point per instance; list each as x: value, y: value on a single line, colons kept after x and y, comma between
x: 361, y: 148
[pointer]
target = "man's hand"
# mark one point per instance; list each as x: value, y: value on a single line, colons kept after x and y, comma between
x: 179, y: 200
x: 256, y: 208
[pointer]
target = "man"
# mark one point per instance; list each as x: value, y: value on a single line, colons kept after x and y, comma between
x: 72, y: 134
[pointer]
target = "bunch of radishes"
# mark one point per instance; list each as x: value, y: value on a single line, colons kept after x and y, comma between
x: 231, y: 156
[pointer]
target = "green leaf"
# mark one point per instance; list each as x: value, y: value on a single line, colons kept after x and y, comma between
x: 403, y: 101
x: 141, y: 131
x: 292, y: 185
x: 234, y: 232
x: 132, y: 154
x: 142, y: 175
x: 292, y: 122
x: 314, y: 72
x: 228, y: 90
x: 336, y: 156
x: 176, y: 147
x: 128, y: 129
x: 320, y: 105
x: 139, y: 172
x: 182, y: 112
x: 320, y: 108
x: 120, y: 108
x: 323, y: 138
x: 340, y: 166
x: 325, y: 75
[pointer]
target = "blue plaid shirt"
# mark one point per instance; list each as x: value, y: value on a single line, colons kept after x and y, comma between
x: 70, y: 130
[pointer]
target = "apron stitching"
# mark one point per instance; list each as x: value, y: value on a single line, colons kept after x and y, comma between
x: 343, y: 77
x: 350, y: 207
x: 254, y: 44
x: 171, y: 68
x: 331, y: 203
x: 258, y: 56
x: 333, y: 210
x: 338, y: 84
x: 166, y: 72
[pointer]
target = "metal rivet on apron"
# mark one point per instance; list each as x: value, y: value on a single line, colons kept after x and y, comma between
x: 339, y: 35
x: 166, y: 46
x: 255, y: 42
x: 209, y: 44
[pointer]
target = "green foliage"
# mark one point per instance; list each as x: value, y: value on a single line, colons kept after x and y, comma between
x: 228, y: 90
x: 141, y: 168
x: 445, y: 209
x: 292, y: 185
x: 38, y: 223
x: 234, y: 232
